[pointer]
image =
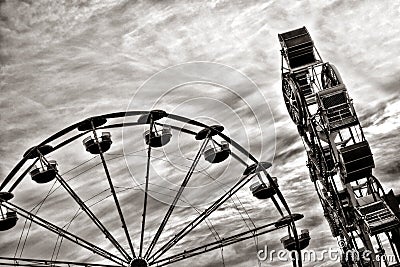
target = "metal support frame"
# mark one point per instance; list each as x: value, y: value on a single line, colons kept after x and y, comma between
x: 14, y: 261
x: 90, y: 214
x: 308, y: 129
x: 204, y: 215
x: 63, y: 233
x: 121, y: 215
x: 146, y: 189
x: 178, y: 195
x: 223, y: 242
x: 124, y: 259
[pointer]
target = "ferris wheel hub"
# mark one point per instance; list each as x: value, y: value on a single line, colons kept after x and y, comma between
x: 138, y: 262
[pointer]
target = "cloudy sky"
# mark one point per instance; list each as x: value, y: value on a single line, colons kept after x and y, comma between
x: 63, y: 61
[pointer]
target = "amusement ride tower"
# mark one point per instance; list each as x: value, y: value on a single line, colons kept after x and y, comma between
x: 361, y: 215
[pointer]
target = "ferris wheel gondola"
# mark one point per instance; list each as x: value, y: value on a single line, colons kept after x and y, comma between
x: 330, y: 76
x: 8, y: 217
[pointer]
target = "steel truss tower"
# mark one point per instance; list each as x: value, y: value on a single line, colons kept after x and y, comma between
x: 361, y: 215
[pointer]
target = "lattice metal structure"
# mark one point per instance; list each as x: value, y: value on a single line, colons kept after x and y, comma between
x: 359, y: 212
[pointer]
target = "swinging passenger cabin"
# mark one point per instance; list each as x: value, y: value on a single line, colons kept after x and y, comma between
x: 103, y: 144
x: 8, y: 217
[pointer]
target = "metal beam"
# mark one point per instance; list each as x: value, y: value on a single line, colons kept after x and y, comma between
x: 178, y: 195
x: 90, y: 214
x: 146, y: 189
x: 14, y: 261
x: 121, y: 215
x: 190, y: 226
x: 65, y: 234
x: 223, y: 242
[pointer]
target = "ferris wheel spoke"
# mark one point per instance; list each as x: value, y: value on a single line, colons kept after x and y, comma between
x: 146, y: 190
x: 63, y: 233
x: 89, y: 213
x: 121, y: 215
x: 177, y: 197
x: 222, y: 242
x: 15, y: 261
x: 203, y: 216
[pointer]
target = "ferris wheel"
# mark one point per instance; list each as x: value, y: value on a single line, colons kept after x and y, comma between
x: 362, y: 216
x: 99, y: 197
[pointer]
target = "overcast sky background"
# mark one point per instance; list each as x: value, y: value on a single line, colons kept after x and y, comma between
x: 63, y: 61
